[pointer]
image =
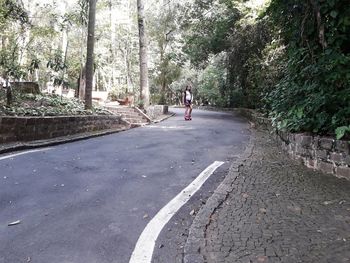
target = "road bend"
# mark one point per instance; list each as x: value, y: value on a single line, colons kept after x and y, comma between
x: 89, y: 201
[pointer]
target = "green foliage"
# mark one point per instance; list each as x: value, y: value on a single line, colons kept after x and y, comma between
x: 223, y: 29
x: 10, y: 67
x: 292, y: 62
x: 12, y: 10
x: 46, y: 105
x: 248, y: 41
x: 341, y: 131
x: 164, y: 31
x: 209, y: 24
x: 314, y: 93
x: 58, y: 65
x: 210, y: 85
x: 169, y: 71
x: 119, y: 92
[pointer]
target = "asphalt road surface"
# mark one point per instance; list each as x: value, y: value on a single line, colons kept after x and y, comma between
x: 89, y: 201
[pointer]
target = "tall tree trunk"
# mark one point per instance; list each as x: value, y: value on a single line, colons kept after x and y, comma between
x: 65, y: 44
x: 90, y: 54
x: 320, y: 24
x: 112, y: 45
x: 144, y: 88
x: 8, y: 93
x: 81, y: 82
x: 130, y: 82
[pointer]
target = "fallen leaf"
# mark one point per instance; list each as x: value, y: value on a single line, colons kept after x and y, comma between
x: 263, y: 210
x: 262, y: 259
x: 245, y: 195
x: 145, y: 216
x: 327, y: 202
x: 192, y: 212
x: 296, y: 209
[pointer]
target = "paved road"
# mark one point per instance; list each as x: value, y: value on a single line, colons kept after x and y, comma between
x: 88, y: 201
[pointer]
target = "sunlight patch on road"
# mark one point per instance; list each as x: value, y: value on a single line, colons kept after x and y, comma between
x: 145, y: 245
x: 22, y: 153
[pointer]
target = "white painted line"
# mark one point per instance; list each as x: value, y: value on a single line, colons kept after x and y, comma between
x: 22, y: 153
x: 145, y: 245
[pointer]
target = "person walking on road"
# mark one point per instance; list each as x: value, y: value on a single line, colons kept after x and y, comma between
x: 188, y: 99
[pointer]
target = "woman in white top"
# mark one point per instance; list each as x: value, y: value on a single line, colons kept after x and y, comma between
x: 188, y: 99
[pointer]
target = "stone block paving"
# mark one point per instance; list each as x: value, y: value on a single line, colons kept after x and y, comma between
x: 279, y: 211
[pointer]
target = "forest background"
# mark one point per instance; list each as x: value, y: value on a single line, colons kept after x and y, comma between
x: 289, y: 59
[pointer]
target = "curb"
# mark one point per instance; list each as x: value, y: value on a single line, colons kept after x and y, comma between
x: 172, y: 114
x: 19, y: 146
x: 56, y: 141
x: 196, y: 239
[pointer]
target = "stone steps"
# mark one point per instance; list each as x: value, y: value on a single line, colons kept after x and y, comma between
x: 131, y: 115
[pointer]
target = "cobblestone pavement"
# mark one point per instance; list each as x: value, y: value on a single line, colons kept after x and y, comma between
x: 272, y: 209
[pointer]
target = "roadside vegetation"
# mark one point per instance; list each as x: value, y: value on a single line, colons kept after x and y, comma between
x: 46, y: 105
x: 289, y: 59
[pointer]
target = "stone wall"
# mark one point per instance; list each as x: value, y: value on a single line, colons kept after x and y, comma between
x: 26, y: 87
x: 37, y: 128
x: 320, y: 153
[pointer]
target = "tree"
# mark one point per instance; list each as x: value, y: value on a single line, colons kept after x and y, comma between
x: 144, y: 86
x: 313, y: 93
x: 165, y: 49
x: 13, y: 17
x: 90, y: 54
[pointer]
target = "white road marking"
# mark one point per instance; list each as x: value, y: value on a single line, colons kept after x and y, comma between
x: 145, y: 245
x: 22, y: 153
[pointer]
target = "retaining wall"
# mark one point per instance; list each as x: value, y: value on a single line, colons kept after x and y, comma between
x: 37, y: 128
x: 320, y: 153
